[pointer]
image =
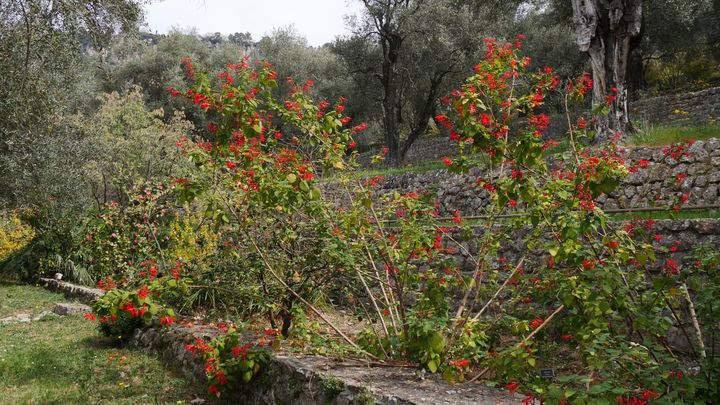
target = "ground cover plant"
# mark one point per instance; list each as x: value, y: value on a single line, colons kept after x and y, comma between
x: 593, y: 295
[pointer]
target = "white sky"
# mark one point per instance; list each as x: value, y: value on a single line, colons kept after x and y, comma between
x: 318, y: 20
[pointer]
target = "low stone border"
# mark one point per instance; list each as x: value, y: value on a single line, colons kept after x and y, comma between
x: 25, y: 318
x: 70, y: 290
x: 290, y: 379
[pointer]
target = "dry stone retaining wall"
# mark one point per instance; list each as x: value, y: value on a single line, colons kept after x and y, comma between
x: 70, y: 290
x: 688, y: 108
x: 696, y: 107
x: 652, y: 186
x: 684, y: 235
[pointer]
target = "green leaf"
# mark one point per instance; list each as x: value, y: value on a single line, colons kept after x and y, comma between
x: 432, y: 366
x: 437, y: 342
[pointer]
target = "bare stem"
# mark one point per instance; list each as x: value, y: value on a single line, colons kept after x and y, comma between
x: 305, y: 302
x: 530, y: 336
x: 696, y: 324
x: 502, y: 287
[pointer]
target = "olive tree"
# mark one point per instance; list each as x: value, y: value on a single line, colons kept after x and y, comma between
x: 44, y: 73
x: 606, y: 31
x: 413, y: 50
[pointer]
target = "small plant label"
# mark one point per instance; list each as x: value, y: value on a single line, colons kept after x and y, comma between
x: 547, y: 373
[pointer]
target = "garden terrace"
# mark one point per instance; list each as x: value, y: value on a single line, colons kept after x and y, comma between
x: 544, y: 258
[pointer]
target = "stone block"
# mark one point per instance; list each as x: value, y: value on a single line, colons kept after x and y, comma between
x: 71, y: 309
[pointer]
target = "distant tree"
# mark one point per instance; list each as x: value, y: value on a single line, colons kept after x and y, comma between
x: 239, y: 38
x: 680, y: 39
x: 155, y: 66
x: 45, y: 78
x: 214, y: 39
x: 413, y: 48
x: 127, y: 145
x: 289, y: 53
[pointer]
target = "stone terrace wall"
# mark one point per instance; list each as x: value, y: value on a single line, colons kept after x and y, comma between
x: 657, y: 185
x: 70, y: 290
x: 697, y: 107
x: 422, y: 151
x: 685, y: 235
x: 653, y: 186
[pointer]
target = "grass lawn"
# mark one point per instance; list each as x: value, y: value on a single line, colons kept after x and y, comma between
x: 661, y: 135
x: 669, y: 214
x: 63, y: 360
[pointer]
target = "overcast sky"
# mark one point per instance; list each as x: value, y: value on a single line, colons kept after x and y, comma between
x: 318, y: 20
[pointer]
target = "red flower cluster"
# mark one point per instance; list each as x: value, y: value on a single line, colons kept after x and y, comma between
x: 671, y: 266
x: 106, y: 284
x: 460, y: 363
x: 167, y: 320
x: 643, y: 399
x: 536, y: 322
x: 677, y: 151
x: 579, y: 87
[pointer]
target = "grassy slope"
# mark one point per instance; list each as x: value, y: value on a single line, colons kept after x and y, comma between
x: 661, y: 135
x: 62, y: 360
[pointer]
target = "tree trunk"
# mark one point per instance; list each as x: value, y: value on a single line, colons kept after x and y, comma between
x: 636, y: 73
x: 390, y: 104
x: 604, y: 29
x: 286, y: 316
x: 425, y: 114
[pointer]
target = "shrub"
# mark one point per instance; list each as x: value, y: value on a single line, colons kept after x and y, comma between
x: 228, y: 361
x: 259, y: 184
x: 122, y: 310
x: 14, y: 234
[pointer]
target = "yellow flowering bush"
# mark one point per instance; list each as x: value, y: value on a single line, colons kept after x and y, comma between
x: 14, y: 234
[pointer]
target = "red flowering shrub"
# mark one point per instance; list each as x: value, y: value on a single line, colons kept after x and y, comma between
x: 596, y: 287
x: 585, y: 290
x: 258, y: 178
x: 121, y: 311
x: 227, y: 361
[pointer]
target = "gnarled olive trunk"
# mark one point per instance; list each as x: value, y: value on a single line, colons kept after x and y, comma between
x: 391, y: 43
x: 605, y: 30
